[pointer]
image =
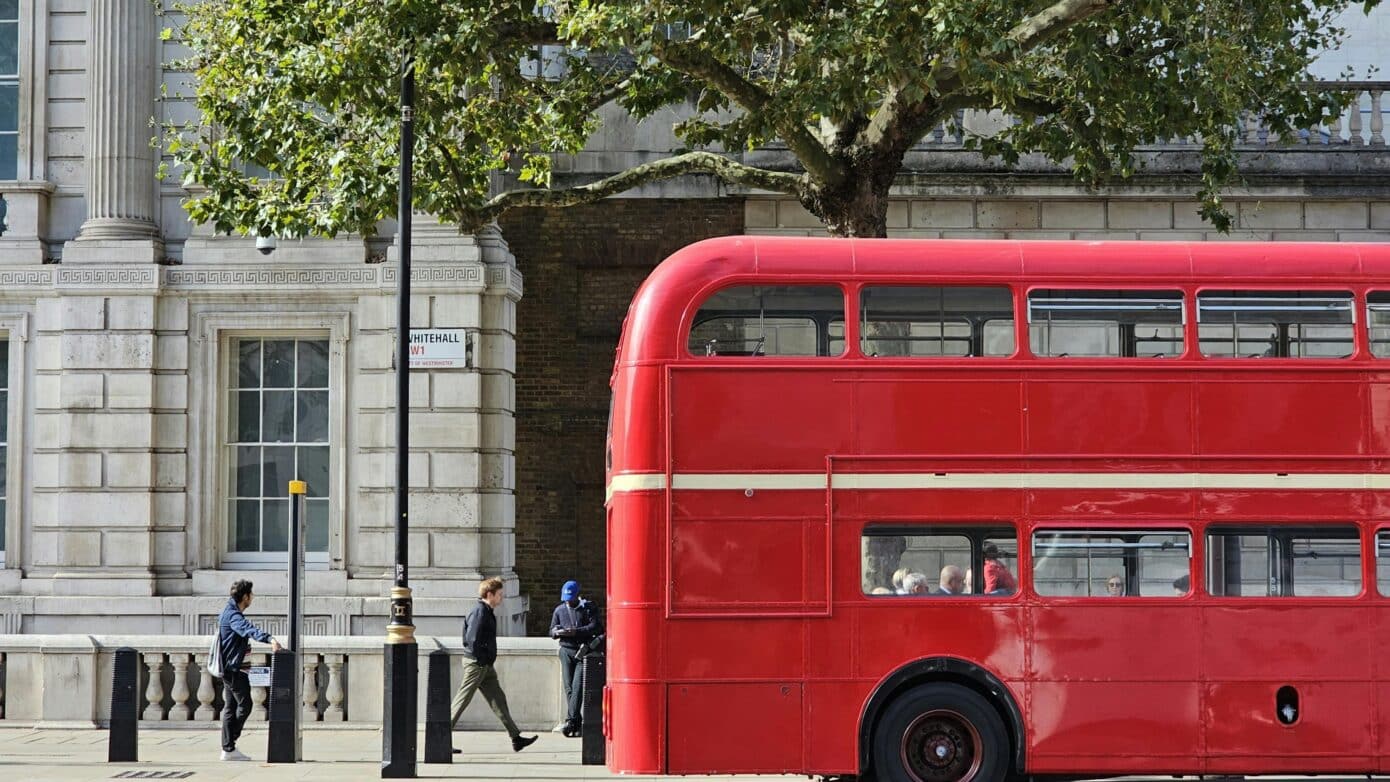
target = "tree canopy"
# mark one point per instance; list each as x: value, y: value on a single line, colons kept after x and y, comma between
x: 308, y: 90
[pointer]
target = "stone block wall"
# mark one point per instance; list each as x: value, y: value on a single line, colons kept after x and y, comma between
x: 1117, y: 217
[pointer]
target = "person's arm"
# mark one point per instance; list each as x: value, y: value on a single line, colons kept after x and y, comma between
x: 470, y: 630
x: 243, y: 627
x: 590, y: 626
x: 557, y: 624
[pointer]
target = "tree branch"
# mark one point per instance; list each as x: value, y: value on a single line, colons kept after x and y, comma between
x: 895, y: 118
x: 688, y: 163
x: 818, y: 161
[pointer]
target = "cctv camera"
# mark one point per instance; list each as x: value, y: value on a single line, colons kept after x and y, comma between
x: 265, y: 245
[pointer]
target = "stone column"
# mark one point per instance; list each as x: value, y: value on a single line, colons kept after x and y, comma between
x: 120, y: 226
x: 462, y: 510
x: 496, y: 357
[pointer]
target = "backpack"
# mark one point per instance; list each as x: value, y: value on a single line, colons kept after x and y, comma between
x: 214, y: 664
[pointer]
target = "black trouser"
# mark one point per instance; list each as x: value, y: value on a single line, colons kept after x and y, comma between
x: 572, y: 674
x: 236, y: 707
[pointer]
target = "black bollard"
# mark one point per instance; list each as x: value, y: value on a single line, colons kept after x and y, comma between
x: 439, y: 732
x: 125, y: 708
x: 595, y: 677
x: 284, y: 708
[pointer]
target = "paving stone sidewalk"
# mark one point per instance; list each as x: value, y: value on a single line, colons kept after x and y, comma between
x: 76, y: 755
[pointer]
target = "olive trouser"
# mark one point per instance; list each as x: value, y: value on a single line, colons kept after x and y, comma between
x: 483, y: 678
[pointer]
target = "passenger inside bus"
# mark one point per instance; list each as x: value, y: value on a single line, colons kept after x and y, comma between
x: 916, y: 584
x: 1115, y: 587
x: 998, y: 579
x: 899, y: 576
x: 1182, y: 585
x: 952, y: 581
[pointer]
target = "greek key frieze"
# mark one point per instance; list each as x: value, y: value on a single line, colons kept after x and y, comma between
x: 267, y: 278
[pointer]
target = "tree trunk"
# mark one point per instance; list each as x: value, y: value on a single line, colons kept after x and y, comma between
x: 859, y: 205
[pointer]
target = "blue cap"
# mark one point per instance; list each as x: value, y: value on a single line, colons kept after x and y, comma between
x: 570, y: 590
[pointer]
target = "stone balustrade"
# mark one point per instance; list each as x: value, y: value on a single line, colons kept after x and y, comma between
x: 1362, y: 123
x: 66, y: 680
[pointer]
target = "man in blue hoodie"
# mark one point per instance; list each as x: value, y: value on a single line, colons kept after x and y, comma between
x: 574, y: 624
x: 234, y: 634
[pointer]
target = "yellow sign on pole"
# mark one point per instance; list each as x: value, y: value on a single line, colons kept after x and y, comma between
x: 298, y: 487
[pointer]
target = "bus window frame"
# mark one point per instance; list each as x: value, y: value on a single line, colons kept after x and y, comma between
x: 1294, y: 529
x: 1183, y: 293
x: 977, y: 532
x: 1046, y: 284
x: 860, y: 286
x: 706, y: 292
x: 1360, y: 329
x: 1118, y: 527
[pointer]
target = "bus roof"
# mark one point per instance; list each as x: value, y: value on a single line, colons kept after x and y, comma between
x: 683, y: 279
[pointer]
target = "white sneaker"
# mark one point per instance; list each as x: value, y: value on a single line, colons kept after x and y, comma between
x: 235, y: 754
x: 560, y: 728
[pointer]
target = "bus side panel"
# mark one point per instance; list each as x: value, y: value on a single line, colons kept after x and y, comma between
x: 638, y: 715
x: 1292, y: 419
x: 1096, y: 727
x: 1244, y: 734
x: 832, y: 725
x: 1321, y: 651
x: 756, y: 419
x: 735, y: 727
x: 939, y: 416
x: 1115, y: 686
x: 1062, y: 414
x: 891, y: 633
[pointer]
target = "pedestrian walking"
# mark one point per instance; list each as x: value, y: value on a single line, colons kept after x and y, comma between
x: 479, y: 656
x: 234, y: 635
x: 574, y: 624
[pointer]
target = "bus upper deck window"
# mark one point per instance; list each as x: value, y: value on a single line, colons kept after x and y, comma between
x: 765, y: 320
x: 1275, y: 324
x: 1378, y: 321
x: 936, y: 321
x: 1106, y: 323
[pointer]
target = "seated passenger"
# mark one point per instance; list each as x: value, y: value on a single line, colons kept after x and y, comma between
x: 998, y: 579
x: 1115, y: 587
x: 916, y: 584
x: 881, y: 591
x: 952, y: 581
x: 1182, y: 585
x: 899, y: 576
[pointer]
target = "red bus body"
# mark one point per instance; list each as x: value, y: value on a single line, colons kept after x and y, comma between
x: 740, y: 640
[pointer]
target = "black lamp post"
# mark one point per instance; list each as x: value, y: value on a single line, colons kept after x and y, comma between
x: 400, y: 662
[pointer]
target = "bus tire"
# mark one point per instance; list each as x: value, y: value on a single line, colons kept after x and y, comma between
x: 941, y: 732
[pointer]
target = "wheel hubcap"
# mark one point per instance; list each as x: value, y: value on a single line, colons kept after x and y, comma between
x: 941, y: 746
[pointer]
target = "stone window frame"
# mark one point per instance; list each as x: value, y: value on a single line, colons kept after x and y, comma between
x: 14, y: 329
x: 211, y: 383
x: 30, y: 150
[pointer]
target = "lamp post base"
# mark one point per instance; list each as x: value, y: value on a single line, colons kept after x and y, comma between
x: 398, y: 739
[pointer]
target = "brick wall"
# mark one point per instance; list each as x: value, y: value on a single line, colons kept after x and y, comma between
x: 581, y: 266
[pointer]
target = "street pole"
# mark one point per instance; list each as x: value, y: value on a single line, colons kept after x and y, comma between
x: 399, y: 717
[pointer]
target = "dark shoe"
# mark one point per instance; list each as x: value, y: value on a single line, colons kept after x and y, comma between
x: 522, y: 742
x: 458, y: 752
x: 573, y: 730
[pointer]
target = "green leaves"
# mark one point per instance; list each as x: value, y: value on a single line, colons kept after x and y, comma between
x: 307, y: 91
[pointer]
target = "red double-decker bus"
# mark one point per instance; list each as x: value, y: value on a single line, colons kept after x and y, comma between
x: 964, y: 510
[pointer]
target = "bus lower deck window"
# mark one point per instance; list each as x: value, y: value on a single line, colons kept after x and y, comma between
x: 964, y: 560
x: 1284, y: 561
x: 1127, y: 563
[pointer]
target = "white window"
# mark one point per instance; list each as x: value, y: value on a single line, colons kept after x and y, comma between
x: 278, y: 430
x: 9, y: 89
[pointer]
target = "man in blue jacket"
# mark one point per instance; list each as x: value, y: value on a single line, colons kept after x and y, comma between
x: 573, y: 624
x: 234, y: 634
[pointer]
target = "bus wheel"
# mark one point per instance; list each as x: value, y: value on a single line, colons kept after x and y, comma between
x: 941, y: 733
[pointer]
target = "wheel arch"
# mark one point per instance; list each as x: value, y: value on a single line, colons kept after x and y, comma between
x: 942, y: 669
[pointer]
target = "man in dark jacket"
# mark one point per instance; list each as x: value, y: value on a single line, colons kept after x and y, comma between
x: 234, y: 634
x: 574, y: 624
x: 479, y: 654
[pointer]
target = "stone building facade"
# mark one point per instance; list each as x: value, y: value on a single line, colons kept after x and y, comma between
x: 159, y: 382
